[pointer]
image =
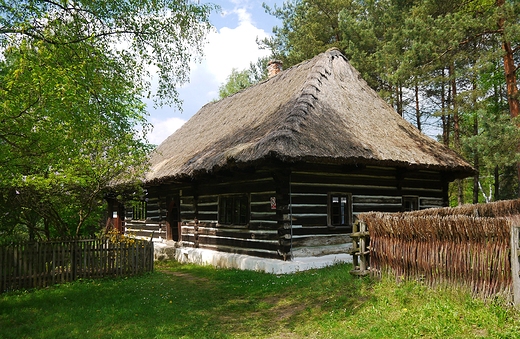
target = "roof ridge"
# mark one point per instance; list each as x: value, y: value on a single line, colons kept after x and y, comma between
x: 320, y: 110
x: 319, y: 72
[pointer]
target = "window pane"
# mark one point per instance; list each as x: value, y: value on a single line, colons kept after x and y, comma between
x: 410, y: 203
x: 336, y: 211
x: 234, y: 210
x: 339, y: 210
x: 139, y: 210
x: 342, y: 212
x: 229, y: 211
x: 243, y: 211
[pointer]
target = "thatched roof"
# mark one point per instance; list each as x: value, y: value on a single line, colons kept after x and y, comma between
x: 318, y: 111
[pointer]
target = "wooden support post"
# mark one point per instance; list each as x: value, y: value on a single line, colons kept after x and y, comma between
x: 355, y: 245
x: 283, y: 213
x: 360, y: 249
x: 515, y: 263
x: 363, y: 260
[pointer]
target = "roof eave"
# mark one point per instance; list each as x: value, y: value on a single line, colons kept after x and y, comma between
x: 459, y: 171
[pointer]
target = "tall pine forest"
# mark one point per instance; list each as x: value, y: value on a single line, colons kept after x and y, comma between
x: 449, y: 67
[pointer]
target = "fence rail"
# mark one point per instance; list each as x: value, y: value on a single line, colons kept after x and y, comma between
x: 40, y: 264
x: 449, y: 246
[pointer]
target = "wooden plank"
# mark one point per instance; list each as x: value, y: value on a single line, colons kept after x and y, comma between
x: 319, y: 230
x: 310, y: 220
x: 236, y: 187
x: 270, y: 216
x: 237, y: 178
x: 317, y: 209
x: 262, y: 196
x: 343, y: 178
x: 353, y: 189
x: 40, y: 264
x: 320, y: 240
x: 411, y: 184
x: 431, y: 192
x: 309, y: 198
x: 203, y: 208
x: 238, y: 243
x: 206, y: 213
x: 264, y: 206
x: 424, y: 175
x: 345, y: 169
x: 429, y: 202
x: 239, y: 234
x: 376, y: 199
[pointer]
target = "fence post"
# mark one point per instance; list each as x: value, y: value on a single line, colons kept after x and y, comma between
x: 360, y: 250
x: 29, y: 265
x: 3, y: 263
x: 355, y: 245
x: 515, y: 264
x: 363, y: 262
x: 74, y: 258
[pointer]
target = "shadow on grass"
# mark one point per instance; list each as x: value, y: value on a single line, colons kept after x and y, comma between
x: 186, y: 301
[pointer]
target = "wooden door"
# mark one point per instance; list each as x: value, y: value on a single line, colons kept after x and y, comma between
x: 173, y: 228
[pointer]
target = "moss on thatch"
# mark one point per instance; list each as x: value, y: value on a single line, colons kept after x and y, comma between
x: 319, y: 111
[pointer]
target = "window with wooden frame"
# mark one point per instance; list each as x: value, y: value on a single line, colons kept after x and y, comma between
x: 410, y: 203
x: 340, y: 210
x: 233, y: 209
x: 139, y: 210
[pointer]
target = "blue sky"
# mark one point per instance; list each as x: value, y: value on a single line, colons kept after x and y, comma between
x: 231, y: 45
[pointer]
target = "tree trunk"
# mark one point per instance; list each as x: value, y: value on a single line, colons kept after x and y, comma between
x: 476, y: 160
x: 456, y: 129
x: 497, y: 184
x: 417, y: 108
x: 446, y: 121
x: 399, y: 99
x: 510, y: 75
x: 476, y: 177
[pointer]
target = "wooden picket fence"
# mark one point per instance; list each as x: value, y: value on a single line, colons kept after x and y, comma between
x: 40, y: 264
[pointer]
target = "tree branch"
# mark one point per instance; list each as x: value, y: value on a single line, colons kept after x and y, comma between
x: 24, y: 111
x: 74, y: 41
x: 462, y: 43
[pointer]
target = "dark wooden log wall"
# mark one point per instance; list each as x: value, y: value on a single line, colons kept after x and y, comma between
x: 371, y: 188
x: 298, y: 226
x: 199, y: 215
x: 154, y: 227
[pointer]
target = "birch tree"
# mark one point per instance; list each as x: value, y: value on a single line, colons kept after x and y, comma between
x: 73, y: 75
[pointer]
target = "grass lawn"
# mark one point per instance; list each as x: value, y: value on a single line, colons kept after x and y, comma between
x: 187, y: 301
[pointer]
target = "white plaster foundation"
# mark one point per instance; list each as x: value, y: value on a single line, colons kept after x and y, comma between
x: 246, y: 262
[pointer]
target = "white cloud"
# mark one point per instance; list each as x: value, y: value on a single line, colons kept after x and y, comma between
x: 227, y: 48
x: 233, y: 47
x: 162, y: 129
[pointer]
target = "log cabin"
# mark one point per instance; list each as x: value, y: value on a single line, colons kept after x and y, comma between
x: 281, y: 169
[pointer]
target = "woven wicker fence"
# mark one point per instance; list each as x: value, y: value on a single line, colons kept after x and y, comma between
x: 468, y: 245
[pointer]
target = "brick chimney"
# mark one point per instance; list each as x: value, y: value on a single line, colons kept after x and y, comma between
x: 274, y: 67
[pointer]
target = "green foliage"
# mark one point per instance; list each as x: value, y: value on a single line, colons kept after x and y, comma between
x: 309, y: 27
x: 73, y: 123
x: 235, y: 82
x: 217, y: 303
x: 439, y: 63
x: 239, y: 80
x: 134, y: 34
